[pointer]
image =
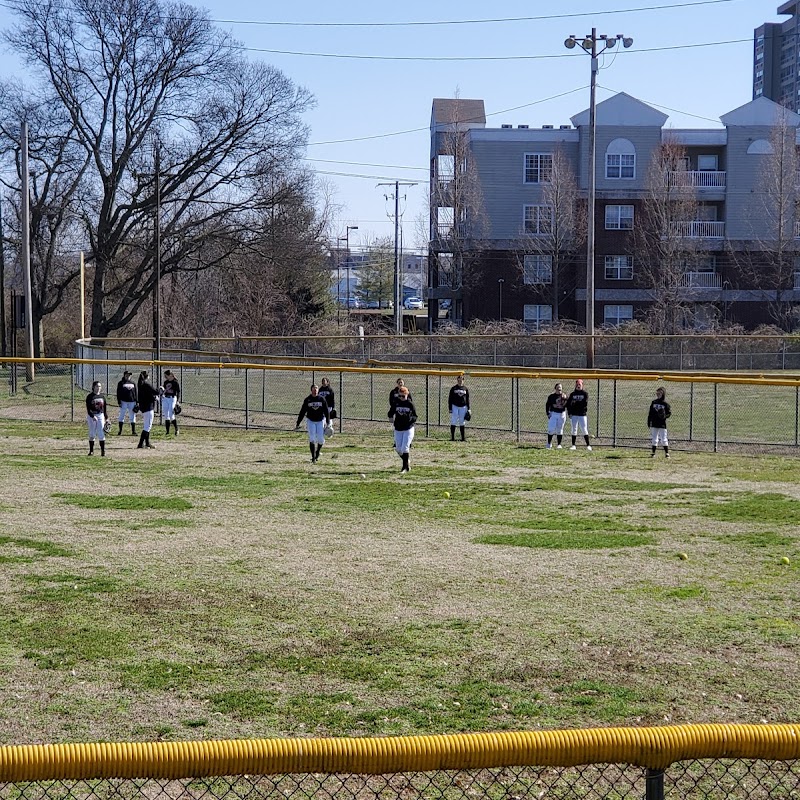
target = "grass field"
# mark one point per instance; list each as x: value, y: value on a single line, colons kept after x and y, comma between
x: 222, y: 586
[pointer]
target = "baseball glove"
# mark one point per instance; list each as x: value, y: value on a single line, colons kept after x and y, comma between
x: 467, y: 416
x: 178, y: 408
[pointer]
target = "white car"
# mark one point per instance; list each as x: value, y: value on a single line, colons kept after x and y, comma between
x: 412, y: 303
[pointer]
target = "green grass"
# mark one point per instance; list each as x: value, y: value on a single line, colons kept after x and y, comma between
x: 306, y: 600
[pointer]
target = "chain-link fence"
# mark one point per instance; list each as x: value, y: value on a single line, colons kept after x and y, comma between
x: 708, y: 413
x: 546, y: 351
x: 606, y: 764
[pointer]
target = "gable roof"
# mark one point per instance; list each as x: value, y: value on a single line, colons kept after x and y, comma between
x: 622, y: 109
x: 761, y: 112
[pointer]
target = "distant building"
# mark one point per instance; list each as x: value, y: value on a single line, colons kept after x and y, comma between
x: 491, y: 214
x: 776, y: 59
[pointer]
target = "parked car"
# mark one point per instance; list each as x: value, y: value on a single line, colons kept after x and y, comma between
x: 354, y: 302
x: 413, y: 303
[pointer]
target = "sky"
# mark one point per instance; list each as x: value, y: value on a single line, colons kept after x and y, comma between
x: 374, y: 70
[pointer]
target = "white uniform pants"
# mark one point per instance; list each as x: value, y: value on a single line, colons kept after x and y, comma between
x: 96, y: 424
x: 168, y: 407
x: 580, y: 426
x: 147, y: 420
x: 457, y: 415
x: 658, y: 436
x: 316, y: 431
x: 556, y: 421
x: 402, y: 440
x: 126, y: 407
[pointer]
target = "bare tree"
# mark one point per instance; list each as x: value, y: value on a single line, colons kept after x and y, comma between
x: 768, y: 262
x: 664, y: 237
x: 135, y: 74
x: 458, y: 222
x: 549, y: 256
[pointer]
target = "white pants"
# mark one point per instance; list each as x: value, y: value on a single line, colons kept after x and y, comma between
x: 580, y: 425
x: 457, y: 415
x: 147, y: 420
x: 168, y: 407
x: 659, y: 436
x: 316, y: 431
x: 96, y: 424
x: 556, y: 421
x: 126, y: 407
x: 402, y: 440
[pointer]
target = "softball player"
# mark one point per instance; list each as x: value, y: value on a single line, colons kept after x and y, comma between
x: 458, y: 406
x: 556, y: 410
x: 148, y: 397
x: 171, y: 394
x: 317, y: 415
x: 404, y: 416
x: 126, y: 397
x: 657, y: 417
x: 96, y: 413
x: 330, y: 398
x: 577, y: 408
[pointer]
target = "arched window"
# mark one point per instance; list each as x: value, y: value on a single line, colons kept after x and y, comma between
x: 760, y: 147
x: 621, y: 160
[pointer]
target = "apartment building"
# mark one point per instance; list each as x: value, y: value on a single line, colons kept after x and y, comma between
x: 776, y: 58
x: 508, y: 217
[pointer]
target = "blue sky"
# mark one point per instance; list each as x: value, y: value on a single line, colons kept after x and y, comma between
x: 371, y: 121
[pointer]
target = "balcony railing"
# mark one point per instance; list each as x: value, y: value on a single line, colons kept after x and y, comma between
x: 698, y: 179
x: 702, y: 280
x: 448, y: 230
x: 797, y: 229
x: 699, y: 229
x: 797, y: 280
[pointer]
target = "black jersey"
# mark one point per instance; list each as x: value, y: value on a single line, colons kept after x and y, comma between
x: 148, y: 395
x: 172, y: 388
x: 126, y: 391
x: 578, y: 403
x: 556, y: 402
x: 315, y: 408
x: 96, y: 404
x: 658, y: 414
x: 330, y: 397
x: 458, y: 397
x: 404, y: 414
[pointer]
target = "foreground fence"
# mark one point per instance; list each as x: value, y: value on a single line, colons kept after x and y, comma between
x: 690, y: 761
x: 709, y: 411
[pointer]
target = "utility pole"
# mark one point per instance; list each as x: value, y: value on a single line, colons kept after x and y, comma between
x: 589, y: 46
x: 25, y: 249
x: 4, y: 350
x: 398, y: 288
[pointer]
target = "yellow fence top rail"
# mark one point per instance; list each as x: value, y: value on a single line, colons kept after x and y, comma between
x: 655, y: 748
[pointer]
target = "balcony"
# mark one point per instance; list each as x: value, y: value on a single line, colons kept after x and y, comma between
x: 447, y: 230
x: 702, y: 280
x: 699, y: 229
x: 698, y: 179
x: 797, y: 281
x: 797, y: 229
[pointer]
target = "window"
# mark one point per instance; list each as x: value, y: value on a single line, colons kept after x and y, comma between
x: 707, y: 163
x: 619, y: 218
x: 537, y: 269
x: 619, y: 268
x: 620, y: 160
x: 537, y: 317
x: 538, y: 167
x: 538, y: 220
x: 616, y: 315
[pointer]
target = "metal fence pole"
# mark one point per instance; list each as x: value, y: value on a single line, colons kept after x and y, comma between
x: 427, y: 405
x: 783, y: 354
x: 614, y: 415
x: 219, y: 386
x: 654, y: 784
x: 72, y: 395
x: 691, y: 411
x: 796, y: 415
x: 736, y: 355
x: 246, y: 399
x: 341, y: 395
x: 515, y: 406
x: 680, y: 356
x: 619, y: 354
x: 716, y: 411
x: 558, y: 352
x: 263, y: 390
x: 597, y: 412
x: 439, y: 404
x: 371, y: 397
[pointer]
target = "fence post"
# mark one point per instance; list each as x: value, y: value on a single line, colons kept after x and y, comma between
x: 371, y: 398
x: 783, y: 354
x: 515, y: 407
x: 219, y: 386
x: 430, y: 351
x: 680, y: 357
x: 597, y: 412
x: 72, y: 396
x: 614, y: 416
x: 619, y: 355
x: 716, y: 386
x: 495, y: 351
x: 439, y: 403
x: 246, y: 399
x: 427, y: 406
x: 691, y: 411
x: 558, y: 352
x: 341, y: 395
x: 735, y: 355
x: 796, y: 415
x: 654, y: 784
x: 263, y: 390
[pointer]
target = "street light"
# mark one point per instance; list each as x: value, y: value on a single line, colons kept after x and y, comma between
x: 347, y: 251
x: 589, y: 46
x: 500, y: 282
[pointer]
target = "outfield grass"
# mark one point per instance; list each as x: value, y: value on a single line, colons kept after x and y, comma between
x: 222, y: 586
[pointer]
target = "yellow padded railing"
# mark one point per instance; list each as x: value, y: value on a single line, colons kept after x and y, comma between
x: 655, y: 748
